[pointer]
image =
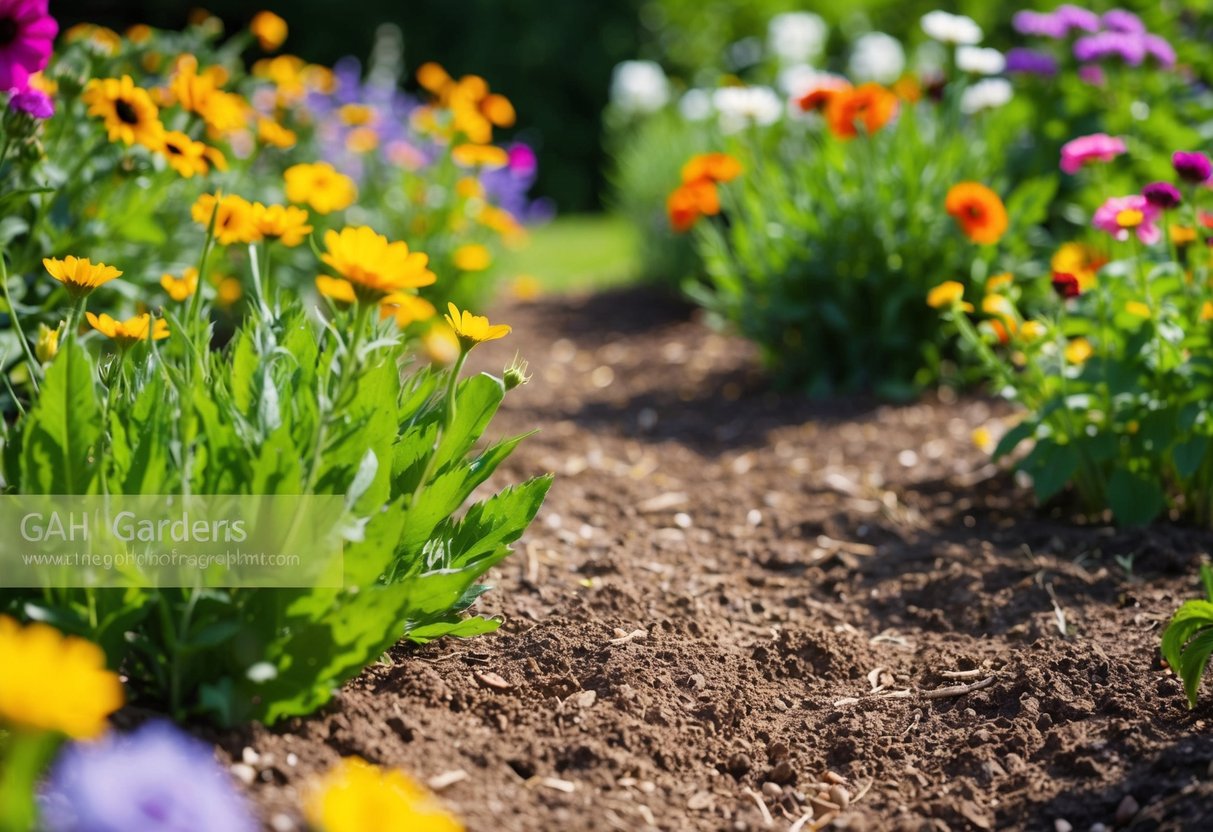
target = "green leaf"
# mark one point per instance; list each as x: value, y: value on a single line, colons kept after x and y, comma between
x: 1135, y: 500
x: 62, y: 428
x: 1189, y: 455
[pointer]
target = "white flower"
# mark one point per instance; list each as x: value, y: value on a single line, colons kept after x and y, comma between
x: 987, y: 94
x: 980, y: 60
x: 695, y: 105
x: 796, y: 37
x: 951, y: 28
x: 796, y: 80
x: 639, y: 87
x: 877, y: 57
x: 739, y: 107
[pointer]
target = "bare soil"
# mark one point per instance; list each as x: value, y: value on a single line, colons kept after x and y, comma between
x: 735, y: 600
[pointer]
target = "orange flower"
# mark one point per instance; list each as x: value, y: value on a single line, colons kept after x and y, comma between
x: 980, y: 212
x: 823, y: 92
x: 870, y: 104
x: 710, y: 167
x: 691, y: 201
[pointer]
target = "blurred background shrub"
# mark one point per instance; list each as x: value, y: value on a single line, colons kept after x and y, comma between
x: 554, y: 60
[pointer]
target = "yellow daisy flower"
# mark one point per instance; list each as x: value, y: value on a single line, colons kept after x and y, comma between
x: 947, y: 294
x: 320, y: 186
x: 1079, y: 350
x: 370, y: 266
x: 130, y: 115
x: 53, y: 682
x: 479, y: 155
x: 180, y: 288
x: 473, y: 329
x: 186, y: 156
x: 80, y: 275
x: 472, y: 257
x: 234, y: 222
x: 356, y: 796
x: 284, y: 223
x: 131, y: 331
x: 406, y: 309
x: 274, y: 134
x: 269, y: 29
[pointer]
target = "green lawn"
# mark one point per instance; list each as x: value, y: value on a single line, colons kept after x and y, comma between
x: 576, y: 253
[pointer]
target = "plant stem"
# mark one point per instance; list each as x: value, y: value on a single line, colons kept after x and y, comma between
x: 35, y: 367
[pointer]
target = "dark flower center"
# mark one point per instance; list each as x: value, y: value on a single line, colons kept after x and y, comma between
x: 174, y: 149
x: 126, y: 113
x: 8, y: 30
x: 975, y: 211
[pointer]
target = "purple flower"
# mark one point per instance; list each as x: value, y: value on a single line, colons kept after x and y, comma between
x: 27, y: 36
x: 1160, y: 50
x: 1092, y: 75
x: 156, y: 779
x: 1031, y: 62
x: 1162, y: 195
x: 1119, y: 20
x: 33, y: 103
x: 1193, y: 167
x: 1130, y: 48
x: 1039, y: 24
x: 1078, y: 18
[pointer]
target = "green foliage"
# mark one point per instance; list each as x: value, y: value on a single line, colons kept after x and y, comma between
x: 828, y: 247
x: 277, y: 412
x: 1116, y: 384
x: 1187, y: 642
x: 645, y: 170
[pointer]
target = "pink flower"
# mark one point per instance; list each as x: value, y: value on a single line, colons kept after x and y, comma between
x: 27, y: 36
x: 1098, y: 147
x: 1112, y: 215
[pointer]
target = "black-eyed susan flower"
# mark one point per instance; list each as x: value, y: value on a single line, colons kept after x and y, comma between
x: 131, y: 331
x: 130, y: 115
x: 269, y: 29
x: 233, y: 218
x: 978, y: 210
x: 948, y: 294
x: 200, y: 92
x: 283, y: 223
x: 369, y: 267
x: 356, y: 796
x: 473, y: 329
x: 272, y: 133
x: 53, y: 682
x: 186, y: 156
x: 320, y: 186
x: 180, y: 288
x: 79, y: 274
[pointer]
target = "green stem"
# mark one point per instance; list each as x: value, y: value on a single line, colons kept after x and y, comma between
x: 25, y: 756
x: 35, y: 367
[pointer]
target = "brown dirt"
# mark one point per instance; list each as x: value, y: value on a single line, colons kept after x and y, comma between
x: 782, y: 559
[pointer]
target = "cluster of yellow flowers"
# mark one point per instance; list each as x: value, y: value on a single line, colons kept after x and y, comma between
x: 236, y: 220
x: 474, y: 110
x: 53, y: 682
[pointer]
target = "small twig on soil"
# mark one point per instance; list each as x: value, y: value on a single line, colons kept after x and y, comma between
x: 801, y: 821
x: 566, y: 786
x: 1058, y: 612
x: 446, y: 780
x: 961, y: 674
x: 624, y: 637
x: 767, y: 820
x: 864, y: 789
x: 957, y: 690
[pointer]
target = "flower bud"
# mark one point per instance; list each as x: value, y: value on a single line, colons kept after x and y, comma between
x: 516, y: 374
x: 47, y: 346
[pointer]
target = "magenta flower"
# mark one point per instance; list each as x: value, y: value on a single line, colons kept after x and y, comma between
x: 1162, y: 195
x: 34, y: 103
x: 1193, y: 167
x: 1085, y: 150
x: 27, y: 36
x: 1108, y: 218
